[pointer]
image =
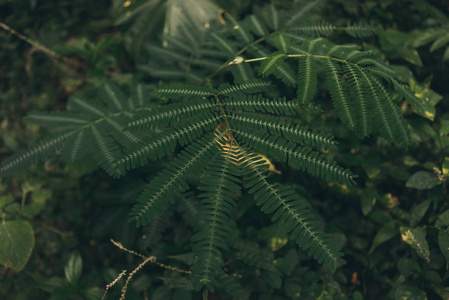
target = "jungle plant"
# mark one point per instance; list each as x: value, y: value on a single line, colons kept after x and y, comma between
x: 226, y: 123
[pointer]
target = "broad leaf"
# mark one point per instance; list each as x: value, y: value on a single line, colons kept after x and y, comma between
x: 422, y: 180
x: 73, y: 267
x: 16, y: 244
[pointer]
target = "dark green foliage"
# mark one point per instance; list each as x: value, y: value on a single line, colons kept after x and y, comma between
x: 218, y: 132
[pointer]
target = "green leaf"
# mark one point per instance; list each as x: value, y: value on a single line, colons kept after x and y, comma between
x: 443, y: 220
x: 409, y: 292
x: 16, y: 243
x: 418, y: 211
x: 422, y: 180
x: 387, y: 232
x: 4, y: 200
x: 368, y: 200
x: 73, y: 267
x: 443, y: 242
x: 416, y: 238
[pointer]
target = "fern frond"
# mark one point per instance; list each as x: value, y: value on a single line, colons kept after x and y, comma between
x: 58, y: 119
x: 271, y: 63
x: 307, y: 79
x: 113, y: 97
x: 259, y: 104
x: 26, y: 158
x: 140, y: 96
x: 242, y: 73
x: 188, y: 91
x: 272, y: 17
x: 282, y: 128
x: 283, y: 71
x: 77, y: 103
x: 223, y: 44
x: 282, y: 42
x: 321, y: 28
x: 302, y: 13
x: 117, y: 130
x: 106, y: 150
x: 75, y: 146
x: 362, y: 105
x: 293, y: 213
x: 256, y: 86
x: 159, y: 117
x: 360, y: 30
x: 286, y: 74
x: 221, y: 187
x: 168, y: 184
x: 299, y: 157
x: 255, y: 25
x: 157, y: 72
x: 396, y: 129
x: 340, y: 95
x: 160, y: 145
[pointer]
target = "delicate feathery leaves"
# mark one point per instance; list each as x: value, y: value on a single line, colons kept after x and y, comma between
x: 172, y: 181
x: 255, y: 25
x: 58, y: 119
x: 283, y: 128
x: 271, y: 63
x: 303, y: 13
x: 220, y: 187
x: 188, y: 91
x: 396, y: 126
x: 282, y: 42
x: 340, y: 95
x: 256, y: 86
x: 302, y: 158
x: 307, y: 79
x: 357, y: 90
x: 160, y: 144
x: 75, y: 147
x: 78, y: 103
x: 360, y: 30
x: 320, y: 28
x: 293, y: 213
x: 272, y: 17
x: 113, y: 97
x: 258, y: 104
x: 282, y: 71
x: 223, y: 44
x: 106, y: 150
x: 37, y: 152
x: 140, y: 96
x: 242, y: 73
x: 159, y: 117
x: 117, y: 130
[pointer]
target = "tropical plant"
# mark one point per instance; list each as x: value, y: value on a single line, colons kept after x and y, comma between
x: 226, y: 123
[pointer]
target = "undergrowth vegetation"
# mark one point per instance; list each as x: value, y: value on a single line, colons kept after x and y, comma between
x: 263, y: 152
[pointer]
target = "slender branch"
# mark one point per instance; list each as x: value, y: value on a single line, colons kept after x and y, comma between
x: 42, y: 48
